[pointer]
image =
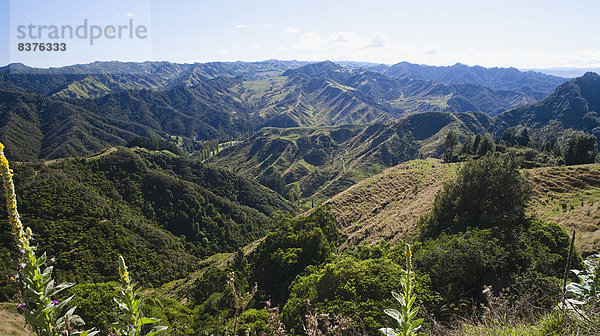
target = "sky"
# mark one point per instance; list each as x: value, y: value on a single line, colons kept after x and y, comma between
x: 524, y: 34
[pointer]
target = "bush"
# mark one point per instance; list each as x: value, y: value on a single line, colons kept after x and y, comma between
x: 489, y: 192
x: 353, y: 287
x: 296, y: 244
x: 96, y: 303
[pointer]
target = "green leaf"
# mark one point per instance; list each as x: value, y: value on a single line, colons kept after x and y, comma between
x: 59, y: 288
x: 87, y: 333
x: 156, y: 330
x: 389, y: 332
x: 41, y: 260
x: 149, y: 320
x: 395, y: 314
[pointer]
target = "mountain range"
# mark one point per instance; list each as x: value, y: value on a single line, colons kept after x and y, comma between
x: 321, y: 125
x: 78, y: 110
x: 325, y: 161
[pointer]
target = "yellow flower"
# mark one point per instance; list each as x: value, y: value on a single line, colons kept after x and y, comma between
x: 123, y: 271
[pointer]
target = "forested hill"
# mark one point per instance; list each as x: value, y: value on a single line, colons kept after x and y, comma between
x: 161, y: 211
x: 574, y: 105
x: 100, y: 78
x: 326, y: 160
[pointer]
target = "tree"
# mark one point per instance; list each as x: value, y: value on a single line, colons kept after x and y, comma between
x: 294, y: 193
x: 286, y: 252
x: 467, y: 147
x: 522, y: 137
x: 355, y: 285
x: 581, y: 149
x: 508, y: 136
x: 449, y: 146
x: 486, y: 145
x: 488, y: 192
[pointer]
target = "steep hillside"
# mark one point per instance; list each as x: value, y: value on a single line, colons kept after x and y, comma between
x: 495, y: 78
x: 37, y: 127
x: 412, y: 95
x: 160, y: 211
x: 424, y: 95
x: 574, y: 104
x: 327, y: 160
x: 34, y: 127
x: 570, y: 196
x: 388, y: 206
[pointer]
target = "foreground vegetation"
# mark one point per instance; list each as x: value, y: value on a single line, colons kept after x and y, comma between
x: 478, y: 256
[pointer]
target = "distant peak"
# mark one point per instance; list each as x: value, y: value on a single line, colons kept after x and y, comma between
x: 313, y: 69
x: 590, y: 74
x: 325, y: 65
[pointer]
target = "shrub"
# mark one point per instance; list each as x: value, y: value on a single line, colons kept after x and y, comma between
x: 489, y: 192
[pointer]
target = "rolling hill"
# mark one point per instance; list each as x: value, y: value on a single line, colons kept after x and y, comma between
x: 99, y: 78
x: 388, y: 206
x: 324, y: 163
x: 327, y: 160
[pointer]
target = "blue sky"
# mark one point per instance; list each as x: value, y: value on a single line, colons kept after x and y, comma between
x: 524, y: 34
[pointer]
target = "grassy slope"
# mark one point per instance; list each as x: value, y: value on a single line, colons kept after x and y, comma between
x: 11, y: 322
x: 570, y: 196
x: 388, y: 206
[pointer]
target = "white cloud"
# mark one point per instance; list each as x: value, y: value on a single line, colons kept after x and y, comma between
x: 345, y: 38
x: 314, y: 46
x: 129, y: 14
x: 244, y: 26
x: 310, y: 41
x: 268, y: 25
x: 223, y: 51
x: 341, y: 42
x: 292, y: 30
x: 378, y: 41
x: 256, y: 45
x: 432, y: 50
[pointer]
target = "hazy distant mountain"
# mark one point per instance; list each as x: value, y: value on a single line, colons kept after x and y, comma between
x: 377, y: 67
x: 566, y: 72
x: 495, y: 78
x: 409, y: 95
x: 99, y: 78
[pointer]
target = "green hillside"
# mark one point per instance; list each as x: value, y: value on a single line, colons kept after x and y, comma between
x: 161, y: 211
x: 325, y: 161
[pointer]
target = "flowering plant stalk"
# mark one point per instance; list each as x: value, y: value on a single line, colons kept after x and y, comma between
x: 240, y: 300
x: 131, y: 321
x: 43, y: 313
x: 407, y: 325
